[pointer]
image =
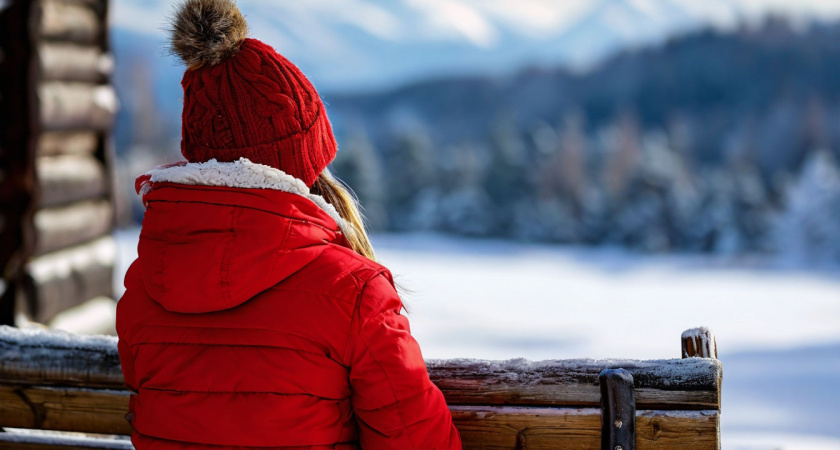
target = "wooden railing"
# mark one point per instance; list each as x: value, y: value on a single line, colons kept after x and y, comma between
x: 57, y: 381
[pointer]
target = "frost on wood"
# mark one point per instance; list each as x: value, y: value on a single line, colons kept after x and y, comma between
x: 663, y: 374
x: 667, y: 384
x: 683, y: 414
x: 52, y: 439
x: 55, y: 340
x: 489, y: 411
x: 56, y: 357
x: 699, y: 342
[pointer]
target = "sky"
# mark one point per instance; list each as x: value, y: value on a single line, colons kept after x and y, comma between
x: 362, y: 44
x: 479, y: 21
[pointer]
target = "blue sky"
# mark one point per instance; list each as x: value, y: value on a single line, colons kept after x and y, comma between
x: 478, y: 21
x: 351, y: 44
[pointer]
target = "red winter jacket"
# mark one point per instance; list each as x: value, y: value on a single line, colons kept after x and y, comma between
x: 247, y: 322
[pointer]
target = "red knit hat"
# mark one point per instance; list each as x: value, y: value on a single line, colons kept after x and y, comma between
x: 244, y: 100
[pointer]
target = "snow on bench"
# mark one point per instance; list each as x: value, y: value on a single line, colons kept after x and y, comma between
x: 52, y: 380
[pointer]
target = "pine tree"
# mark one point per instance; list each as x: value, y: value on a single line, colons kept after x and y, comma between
x: 358, y: 164
x: 510, y: 176
x: 412, y: 176
x: 808, y: 228
x: 464, y: 206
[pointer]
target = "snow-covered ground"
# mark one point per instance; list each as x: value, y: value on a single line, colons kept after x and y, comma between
x: 778, y: 329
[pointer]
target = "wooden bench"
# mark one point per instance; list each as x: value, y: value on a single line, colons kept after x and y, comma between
x: 58, y: 381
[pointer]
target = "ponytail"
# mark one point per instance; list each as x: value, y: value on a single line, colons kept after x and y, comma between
x: 345, y: 202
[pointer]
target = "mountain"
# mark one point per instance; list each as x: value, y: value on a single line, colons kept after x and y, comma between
x: 727, y: 85
x: 351, y: 46
x: 371, y: 44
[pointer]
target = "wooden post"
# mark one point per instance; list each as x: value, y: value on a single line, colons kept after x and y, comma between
x: 699, y: 343
x: 618, y: 410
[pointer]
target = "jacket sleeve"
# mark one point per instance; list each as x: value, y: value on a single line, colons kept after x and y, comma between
x: 395, y: 403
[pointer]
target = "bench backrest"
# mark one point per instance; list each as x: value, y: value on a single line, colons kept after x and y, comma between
x: 57, y: 381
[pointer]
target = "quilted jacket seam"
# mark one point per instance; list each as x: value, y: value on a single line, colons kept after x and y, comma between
x: 358, y: 299
x: 393, y: 391
x: 224, y: 274
x: 361, y: 284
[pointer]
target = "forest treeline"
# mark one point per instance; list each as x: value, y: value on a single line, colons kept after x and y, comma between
x: 714, y: 141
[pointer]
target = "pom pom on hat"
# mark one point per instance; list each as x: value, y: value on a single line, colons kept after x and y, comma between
x: 207, y: 31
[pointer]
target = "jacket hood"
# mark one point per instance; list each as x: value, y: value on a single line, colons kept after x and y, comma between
x: 217, y: 234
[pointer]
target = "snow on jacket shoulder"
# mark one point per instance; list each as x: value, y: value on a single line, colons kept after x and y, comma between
x: 247, y: 322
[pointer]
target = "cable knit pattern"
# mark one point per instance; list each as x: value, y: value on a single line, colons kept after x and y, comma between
x: 256, y: 105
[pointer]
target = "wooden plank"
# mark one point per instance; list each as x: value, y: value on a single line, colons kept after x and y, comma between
x: 66, y: 226
x: 667, y: 384
x: 77, y: 106
x: 68, y: 179
x: 513, y: 428
x: 57, y: 143
x: 62, y: 280
x: 75, y: 21
x: 678, y: 429
x: 10, y: 441
x: 64, y: 409
x: 74, y: 62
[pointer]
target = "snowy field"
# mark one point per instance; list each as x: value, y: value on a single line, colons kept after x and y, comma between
x: 778, y: 328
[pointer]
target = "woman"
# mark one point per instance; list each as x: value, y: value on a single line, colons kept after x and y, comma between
x: 255, y: 315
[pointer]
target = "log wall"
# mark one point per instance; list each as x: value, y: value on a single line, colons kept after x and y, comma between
x: 61, y: 194
x: 63, y: 279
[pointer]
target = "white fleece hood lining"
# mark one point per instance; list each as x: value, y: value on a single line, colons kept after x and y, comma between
x: 239, y: 174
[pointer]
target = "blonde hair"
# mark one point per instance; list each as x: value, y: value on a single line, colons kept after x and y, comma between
x: 338, y: 194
